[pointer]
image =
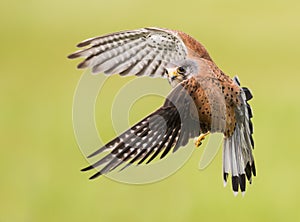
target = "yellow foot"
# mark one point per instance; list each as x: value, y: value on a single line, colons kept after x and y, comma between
x: 199, y: 140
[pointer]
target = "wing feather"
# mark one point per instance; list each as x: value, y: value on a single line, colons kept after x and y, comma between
x: 156, y: 134
x: 132, y: 52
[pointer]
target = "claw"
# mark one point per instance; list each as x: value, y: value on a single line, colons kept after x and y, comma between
x: 199, y: 140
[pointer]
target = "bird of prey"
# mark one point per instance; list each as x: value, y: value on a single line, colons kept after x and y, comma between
x: 203, y: 100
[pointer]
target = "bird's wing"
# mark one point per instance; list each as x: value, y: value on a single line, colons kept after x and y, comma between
x: 143, y: 51
x: 169, y: 127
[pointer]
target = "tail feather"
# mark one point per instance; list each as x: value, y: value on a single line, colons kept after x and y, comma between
x: 238, y: 159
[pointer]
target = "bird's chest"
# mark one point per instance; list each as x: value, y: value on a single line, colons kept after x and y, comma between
x: 216, y: 104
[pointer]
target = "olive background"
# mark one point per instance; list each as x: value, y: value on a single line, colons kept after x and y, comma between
x: 40, y: 159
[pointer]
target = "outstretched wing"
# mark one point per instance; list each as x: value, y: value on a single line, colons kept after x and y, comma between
x: 138, y: 52
x: 169, y: 127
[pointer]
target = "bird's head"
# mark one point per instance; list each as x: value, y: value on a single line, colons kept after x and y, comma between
x: 179, y: 71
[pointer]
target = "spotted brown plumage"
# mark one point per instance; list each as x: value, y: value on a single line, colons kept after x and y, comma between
x: 203, y: 100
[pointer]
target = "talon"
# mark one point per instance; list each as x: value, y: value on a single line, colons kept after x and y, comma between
x: 199, y: 140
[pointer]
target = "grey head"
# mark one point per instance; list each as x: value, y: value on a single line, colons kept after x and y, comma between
x: 181, y: 70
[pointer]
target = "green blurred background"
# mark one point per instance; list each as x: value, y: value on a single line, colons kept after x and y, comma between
x: 40, y: 160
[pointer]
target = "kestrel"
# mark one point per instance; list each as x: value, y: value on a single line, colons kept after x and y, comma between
x: 203, y: 100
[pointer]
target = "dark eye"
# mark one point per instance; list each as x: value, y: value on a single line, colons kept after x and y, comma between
x: 181, y: 70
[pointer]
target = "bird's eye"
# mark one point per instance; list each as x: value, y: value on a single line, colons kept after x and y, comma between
x: 181, y: 70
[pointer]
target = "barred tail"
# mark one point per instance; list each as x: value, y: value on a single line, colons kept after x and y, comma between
x: 237, y: 151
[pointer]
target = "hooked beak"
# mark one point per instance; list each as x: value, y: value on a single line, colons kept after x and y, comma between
x: 172, y: 73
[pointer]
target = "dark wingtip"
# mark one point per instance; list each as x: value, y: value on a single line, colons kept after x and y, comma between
x: 150, y: 159
x: 73, y: 56
x: 93, y: 154
x: 87, y: 168
x: 102, y: 149
x: 250, y: 114
x: 84, y: 43
x: 164, y: 153
x: 237, y: 80
x: 82, y: 65
x: 252, y: 141
x: 235, y: 183
x: 242, y: 182
x: 253, y: 168
x: 98, y: 174
x: 247, y: 93
x: 225, y: 176
x: 248, y: 171
x: 251, y: 126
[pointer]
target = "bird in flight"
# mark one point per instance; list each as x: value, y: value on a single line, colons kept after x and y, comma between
x: 203, y: 100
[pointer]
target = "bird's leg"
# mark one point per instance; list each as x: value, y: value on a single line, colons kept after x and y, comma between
x: 198, y: 141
